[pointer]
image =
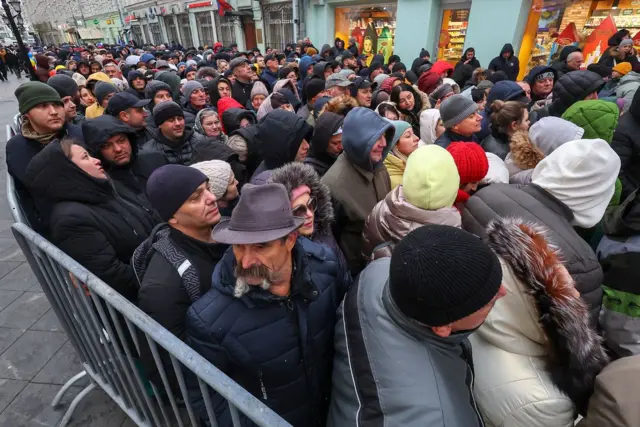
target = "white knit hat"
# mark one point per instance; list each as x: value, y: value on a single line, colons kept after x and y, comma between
x: 219, y: 174
x: 581, y: 174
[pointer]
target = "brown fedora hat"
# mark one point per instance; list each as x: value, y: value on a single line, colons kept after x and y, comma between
x: 263, y: 214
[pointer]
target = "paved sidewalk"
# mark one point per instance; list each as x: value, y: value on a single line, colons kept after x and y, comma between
x: 36, y: 358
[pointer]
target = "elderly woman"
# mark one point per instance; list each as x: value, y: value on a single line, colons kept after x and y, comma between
x: 208, y: 124
x: 311, y: 200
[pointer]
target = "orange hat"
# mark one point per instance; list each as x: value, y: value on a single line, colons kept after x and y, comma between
x: 623, y: 68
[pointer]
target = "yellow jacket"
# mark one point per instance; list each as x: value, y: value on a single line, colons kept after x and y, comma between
x: 94, y: 111
x: 395, y: 167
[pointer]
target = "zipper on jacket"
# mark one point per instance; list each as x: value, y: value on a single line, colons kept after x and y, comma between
x: 473, y: 399
x: 263, y: 389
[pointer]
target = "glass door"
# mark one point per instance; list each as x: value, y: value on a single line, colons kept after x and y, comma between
x: 453, y: 31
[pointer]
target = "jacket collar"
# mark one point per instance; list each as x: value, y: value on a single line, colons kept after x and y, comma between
x: 418, y: 330
x: 455, y: 137
x: 549, y: 201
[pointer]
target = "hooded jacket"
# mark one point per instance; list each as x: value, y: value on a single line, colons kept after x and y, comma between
x: 90, y: 221
x: 474, y: 63
x: 280, y: 134
x: 327, y: 124
x: 627, y: 88
x: 532, y: 203
x: 536, y: 357
x: 619, y: 254
x: 293, y: 175
x: 390, y: 371
x: 134, y: 74
x: 173, y: 81
x: 231, y: 114
x: 279, y: 349
x: 531, y: 79
x: 627, y: 145
x: 544, y: 137
x: 152, y: 88
x: 356, y: 184
x: 510, y: 66
x: 134, y: 175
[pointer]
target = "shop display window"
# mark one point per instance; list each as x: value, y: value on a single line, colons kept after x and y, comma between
x: 452, y: 34
x: 548, y: 26
x: 373, y: 27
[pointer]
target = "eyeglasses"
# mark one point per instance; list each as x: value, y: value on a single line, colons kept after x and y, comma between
x: 300, y: 211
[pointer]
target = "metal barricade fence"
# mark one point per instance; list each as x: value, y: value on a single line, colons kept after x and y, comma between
x: 107, y: 332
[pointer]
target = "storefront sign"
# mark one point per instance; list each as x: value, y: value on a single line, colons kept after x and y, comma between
x: 200, y: 4
x: 460, y: 15
x: 129, y: 18
x: 568, y: 36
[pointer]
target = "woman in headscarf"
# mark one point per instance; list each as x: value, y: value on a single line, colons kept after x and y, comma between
x: 431, y: 126
x: 208, y: 124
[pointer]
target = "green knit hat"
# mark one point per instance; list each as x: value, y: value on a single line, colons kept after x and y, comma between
x: 31, y: 94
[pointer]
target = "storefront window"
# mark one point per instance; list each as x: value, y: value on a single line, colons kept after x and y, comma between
x: 137, y: 33
x: 224, y: 27
x: 205, y: 28
x: 549, y: 23
x: 452, y: 34
x: 185, y: 30
x: 278, y: 19
x: 373, y: 27
x: 172, y: 30
x: 156, y: 32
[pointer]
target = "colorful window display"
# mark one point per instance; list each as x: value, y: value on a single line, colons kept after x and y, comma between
x: 373, y: 27
x: 453, y: 33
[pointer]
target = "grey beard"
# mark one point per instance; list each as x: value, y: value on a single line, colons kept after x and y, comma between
x: 242, y: 287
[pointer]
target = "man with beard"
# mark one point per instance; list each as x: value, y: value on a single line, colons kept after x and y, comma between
x: 116, y: 145
x: 268, y: 320
x: 68, y: 91
x: 130, y: 111
x: 175, y: 264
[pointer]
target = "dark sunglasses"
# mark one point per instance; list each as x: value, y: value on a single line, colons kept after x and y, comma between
x: 301, y: 210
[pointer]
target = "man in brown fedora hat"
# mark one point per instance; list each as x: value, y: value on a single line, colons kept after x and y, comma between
x: 268, y: 320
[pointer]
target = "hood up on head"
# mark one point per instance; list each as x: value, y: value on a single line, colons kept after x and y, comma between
x: 582, y: 175
x: 542, y: 310
x: 97, y: 131
x: 280, y: 134
x: 361, y: 130
x: 293, y: 175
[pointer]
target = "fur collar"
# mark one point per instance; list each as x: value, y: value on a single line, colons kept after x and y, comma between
x: 295, y: 174
x: 575, y: 352
x: 340, y: 105
x: 524, y: 153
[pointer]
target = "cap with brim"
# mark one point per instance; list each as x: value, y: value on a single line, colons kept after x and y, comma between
x: 337, y: 80
x: 363, y: 84
x: 123, y: 101
x: 238, y: 61
x: 263, y: 214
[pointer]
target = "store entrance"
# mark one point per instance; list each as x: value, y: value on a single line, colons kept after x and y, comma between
x: 453, y: 30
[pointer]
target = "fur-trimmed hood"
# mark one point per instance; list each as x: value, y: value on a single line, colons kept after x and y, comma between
x: 340, y: 105
x: 524, y: 154
x: 542, y: 314
x: 293, y: 175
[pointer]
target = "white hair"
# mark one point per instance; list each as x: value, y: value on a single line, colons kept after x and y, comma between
x: 242, y: 287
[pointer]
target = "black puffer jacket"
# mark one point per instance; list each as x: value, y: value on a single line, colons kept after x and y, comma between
x: 232, y: 117
x: 280, y: 134
x: 133, y: 175
x: 626, y: 142
x: 326, y: 125
x: 91, y: 222
x: 570, y: 88
x: 534, y: 204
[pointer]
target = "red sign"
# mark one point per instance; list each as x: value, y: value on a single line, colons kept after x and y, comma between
x: 596, y: 43
x: 200, y: 4
x: 568, y: 36
x: 129, y: 18
x: 636, y: 39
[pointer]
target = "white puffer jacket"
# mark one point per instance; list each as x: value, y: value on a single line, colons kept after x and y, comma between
x: 513, y: 387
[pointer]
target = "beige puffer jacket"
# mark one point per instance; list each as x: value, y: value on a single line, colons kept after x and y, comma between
x: 393, y: 218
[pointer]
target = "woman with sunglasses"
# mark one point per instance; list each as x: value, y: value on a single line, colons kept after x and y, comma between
x: 311, y: 200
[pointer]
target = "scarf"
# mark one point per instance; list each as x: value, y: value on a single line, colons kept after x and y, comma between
x: 29, y: 133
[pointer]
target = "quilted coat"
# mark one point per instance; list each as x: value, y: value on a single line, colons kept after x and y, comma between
x: 536, y: 356
x: 280, y: 349
x: 627, y: 145
x: 393, y: 218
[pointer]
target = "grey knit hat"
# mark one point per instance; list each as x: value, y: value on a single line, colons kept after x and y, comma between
x: 455, y: 109
x: 189, y: 87
x: 626, y: 42
x: 219, y: 174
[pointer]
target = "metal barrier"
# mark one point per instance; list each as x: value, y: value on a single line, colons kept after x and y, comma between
x: 106, y: 332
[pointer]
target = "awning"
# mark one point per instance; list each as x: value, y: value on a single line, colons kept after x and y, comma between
x: 90, y: 34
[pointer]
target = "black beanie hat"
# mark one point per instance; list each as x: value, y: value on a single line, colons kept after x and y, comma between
x: 170, y: 186
x: 64, y: 85
x: 440, y: 274
x: 165, y: 110
x: 102, y: 89
x: 313, y: 87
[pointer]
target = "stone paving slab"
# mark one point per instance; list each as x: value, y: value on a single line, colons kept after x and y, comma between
x: 24, y: 311
x: 20, y: 279
x: 29, y: 354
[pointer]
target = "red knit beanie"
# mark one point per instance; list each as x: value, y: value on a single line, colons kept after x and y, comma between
x: 471, y: 161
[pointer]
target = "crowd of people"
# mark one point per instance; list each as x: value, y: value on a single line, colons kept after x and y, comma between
x: 357, y: 242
